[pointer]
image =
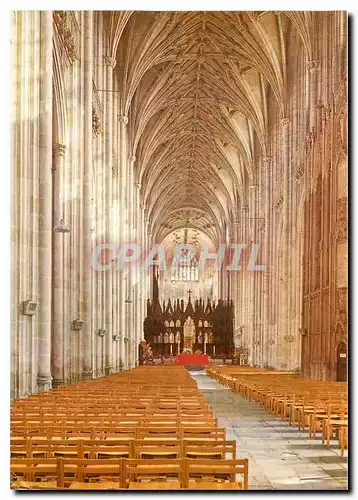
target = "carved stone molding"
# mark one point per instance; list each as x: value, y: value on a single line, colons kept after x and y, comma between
x: 123, y: 119
x: 96, y: 123
x: 77, y: 324
x: 313, y: 65
x: 66, y: 29
x: 299, y: 172
x: 114, y: 166
x: 132, y: 158
x: 58, y: 150
x: 342, y: 219
x: 311, y: 136
x: 110, y: 61
x: 341, y: 306
x: 302, y: 331
x: 29, y: 307
x: 342, y: 124
x: 267, y: 160
x: 279, y: 202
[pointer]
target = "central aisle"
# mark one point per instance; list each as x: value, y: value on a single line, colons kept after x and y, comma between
x: 280, y: 456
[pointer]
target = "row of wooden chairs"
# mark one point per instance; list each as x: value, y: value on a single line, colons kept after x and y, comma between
x: 137, y: 427
x: 142, y: 421
x: 132, y: 448
x: 320, y: 406
x: 177, y: 473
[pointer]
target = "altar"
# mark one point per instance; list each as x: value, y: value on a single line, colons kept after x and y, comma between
x: 192, y: 359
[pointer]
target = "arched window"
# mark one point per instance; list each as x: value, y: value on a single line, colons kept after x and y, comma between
x: 182, y: 270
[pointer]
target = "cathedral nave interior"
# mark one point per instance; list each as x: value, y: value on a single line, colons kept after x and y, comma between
x: 192, y: 130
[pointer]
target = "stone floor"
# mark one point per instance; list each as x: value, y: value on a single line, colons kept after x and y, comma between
x: 280, y: 457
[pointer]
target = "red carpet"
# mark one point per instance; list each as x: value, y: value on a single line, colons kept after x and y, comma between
x: 192, y: 359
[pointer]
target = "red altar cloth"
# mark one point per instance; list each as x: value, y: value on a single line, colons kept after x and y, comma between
x: 192, y: 359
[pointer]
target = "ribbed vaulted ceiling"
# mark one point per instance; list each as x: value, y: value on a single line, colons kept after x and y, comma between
x: 196, y: 87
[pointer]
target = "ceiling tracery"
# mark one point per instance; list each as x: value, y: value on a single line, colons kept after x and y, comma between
x: 196, y: 86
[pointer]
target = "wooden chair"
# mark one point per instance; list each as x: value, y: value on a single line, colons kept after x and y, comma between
x: 216, y: 450
x: 158, y: 431
x: 27, y: 472
x: 208, y: 434
x: 146, y: 450
x: 153, y: 470
x: 105, y: 472
x: 219, y: 471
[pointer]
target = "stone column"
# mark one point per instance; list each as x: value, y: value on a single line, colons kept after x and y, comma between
x: 110, y: 65
x: 87, y: 191
x: 251, y: 274
x: 44, y: 378
x: 238, y: 277
x: 150, y: 270
x: 58, y: 165
x: 143, y: 293
x: 267, y: 175
x: 130, y: 305
x: 138, y: 229
x: 285, y: 325
x: 245, y: 322
x: 123, y: 121
x: 234, y: 279
x: 313, y: 69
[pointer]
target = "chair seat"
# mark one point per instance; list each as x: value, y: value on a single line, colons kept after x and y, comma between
x: 159, y: 453
x: 204, y: 454
x: 202, y: 439
x: 119, y: 438
x: 100, y: 466
x: 155, y: 466
x: 151, y: 438
x: 104, y: 485
x: 25, y: 468
x: 32, y: 485
x: 213, y: 485
x: 73, y: 453
x: 118, y: 454
x: 155, y: 485
x: 338, y: 422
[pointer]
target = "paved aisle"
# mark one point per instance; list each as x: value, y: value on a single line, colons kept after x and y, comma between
x: 280, y: 456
